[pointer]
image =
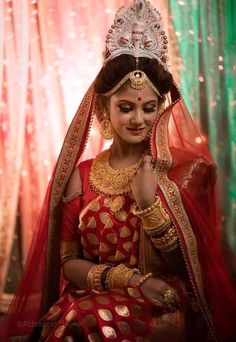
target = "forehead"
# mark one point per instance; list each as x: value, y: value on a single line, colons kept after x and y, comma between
x: 125, y: 91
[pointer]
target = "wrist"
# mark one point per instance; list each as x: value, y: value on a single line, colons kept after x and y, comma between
x: 143, y: 204
x: 134, y: 279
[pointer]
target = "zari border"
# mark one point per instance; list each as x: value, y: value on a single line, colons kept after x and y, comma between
x: 173, y: 198
x: 72, y: 149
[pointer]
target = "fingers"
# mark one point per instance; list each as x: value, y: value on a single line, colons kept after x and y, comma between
x: 147, y: 163
x: 170, y: 298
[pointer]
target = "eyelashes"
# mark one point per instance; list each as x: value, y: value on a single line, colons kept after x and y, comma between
x: 129, y: 109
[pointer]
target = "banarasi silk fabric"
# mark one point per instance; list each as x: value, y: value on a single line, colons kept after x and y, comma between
x: 186, y: 178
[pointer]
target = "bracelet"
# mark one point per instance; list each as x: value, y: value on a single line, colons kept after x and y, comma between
x: 154, y: 218
x: 118, y: 277
x: 143, y: 279
x: 167, y: 242
x: 94, y: 277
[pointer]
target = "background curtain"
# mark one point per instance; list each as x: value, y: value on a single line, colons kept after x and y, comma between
x: 50, y: 51
x: 206, y: 37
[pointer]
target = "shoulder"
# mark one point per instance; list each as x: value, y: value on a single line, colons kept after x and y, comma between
x: 75, y: 184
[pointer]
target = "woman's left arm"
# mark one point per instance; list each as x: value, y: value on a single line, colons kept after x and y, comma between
x: 156, y: 221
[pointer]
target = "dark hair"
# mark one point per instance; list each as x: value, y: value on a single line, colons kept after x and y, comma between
x: 116, y: 69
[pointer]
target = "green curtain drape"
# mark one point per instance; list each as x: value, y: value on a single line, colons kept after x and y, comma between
x: 206, y: 36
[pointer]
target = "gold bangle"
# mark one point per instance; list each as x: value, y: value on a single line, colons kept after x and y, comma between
x: 143, y: 279
x: 142, y: 212
x: 119, y: 276
x: 153, y: 217
x: 94, y: 277
x: 168, y: 242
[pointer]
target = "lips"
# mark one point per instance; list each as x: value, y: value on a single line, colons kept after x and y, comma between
x: 135, y: 129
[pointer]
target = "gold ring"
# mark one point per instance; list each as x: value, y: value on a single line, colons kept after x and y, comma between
x: 169, y: 297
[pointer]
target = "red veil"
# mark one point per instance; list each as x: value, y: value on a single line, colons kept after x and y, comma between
x: 186, y: 175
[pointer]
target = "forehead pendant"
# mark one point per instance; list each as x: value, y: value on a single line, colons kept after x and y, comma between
x: 138, y: 80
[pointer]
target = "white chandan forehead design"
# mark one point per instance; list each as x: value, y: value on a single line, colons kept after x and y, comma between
x: 137, y: 30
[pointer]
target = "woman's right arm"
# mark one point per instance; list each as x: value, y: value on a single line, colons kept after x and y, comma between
x: 75, y: 269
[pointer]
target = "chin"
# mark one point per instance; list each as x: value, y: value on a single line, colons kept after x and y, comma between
x: 135, y: 139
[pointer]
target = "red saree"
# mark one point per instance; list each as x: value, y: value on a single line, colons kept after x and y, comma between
x: 186, y: 187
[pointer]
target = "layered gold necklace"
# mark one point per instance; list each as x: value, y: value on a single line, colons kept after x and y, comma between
x: 106, y: 180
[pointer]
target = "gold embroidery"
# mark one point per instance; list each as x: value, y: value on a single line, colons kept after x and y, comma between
x: 108, y: 224
x: 173, y: 198
x: 104, y: 217
x: 102, y: 300
x: 95, y: 337
x: 112, y: 238
x: 136, y: 310
x: 55, y: 312
x: 121, y: 215
x: 106, y: 180
x: 90, y: 320
x: 93, y: 204
x: 109, y: 332
x: 122, y: 310
x: 85, y: 304
x: 125, y: 232
x: 119, y: 256
x: 71, y: 147
x: 133, y: 292
x: 105, y: 314
x: 134, y: 221
x: 71, y: 314
x: 117, y: 203
x: 60, y: 331
x: 93, y: 239
x: 124, y: 327
x: 104, y: 248
x: 127, y: 246
x: 91, y: 222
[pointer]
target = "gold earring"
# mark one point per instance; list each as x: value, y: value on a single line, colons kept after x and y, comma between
x: 106, y: 129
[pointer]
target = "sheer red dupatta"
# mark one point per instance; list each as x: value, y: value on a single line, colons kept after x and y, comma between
x: 175, y: 144
x: 186, y: 177
x: 41, y: 282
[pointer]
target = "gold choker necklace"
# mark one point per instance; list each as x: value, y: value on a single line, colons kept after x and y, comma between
x: 106, y: 180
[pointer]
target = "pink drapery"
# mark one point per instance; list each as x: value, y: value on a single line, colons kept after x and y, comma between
x: 49, y: 53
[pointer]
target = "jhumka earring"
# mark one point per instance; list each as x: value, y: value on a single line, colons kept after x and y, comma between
x: 106, y: 129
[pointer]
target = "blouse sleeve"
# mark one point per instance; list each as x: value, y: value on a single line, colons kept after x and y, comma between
x: 70, y: 239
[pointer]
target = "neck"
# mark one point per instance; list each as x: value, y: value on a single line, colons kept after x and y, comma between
x: 123, y: 152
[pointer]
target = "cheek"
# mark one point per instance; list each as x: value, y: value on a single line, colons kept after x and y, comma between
x: 151, y: 119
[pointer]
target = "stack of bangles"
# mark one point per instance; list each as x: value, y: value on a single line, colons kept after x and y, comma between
x: 103, y: 277
x: 158, y: 225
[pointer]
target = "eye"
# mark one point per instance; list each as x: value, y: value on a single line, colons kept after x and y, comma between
x: 125, y: 109
x: 149, y: 109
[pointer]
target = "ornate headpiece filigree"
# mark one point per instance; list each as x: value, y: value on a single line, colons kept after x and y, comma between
x: 137, y: 31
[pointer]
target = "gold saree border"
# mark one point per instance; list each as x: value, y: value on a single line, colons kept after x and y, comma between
x: 71, y: 147
x: 173, y: 198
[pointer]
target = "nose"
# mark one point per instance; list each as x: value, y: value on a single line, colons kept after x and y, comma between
x: 137, y: 119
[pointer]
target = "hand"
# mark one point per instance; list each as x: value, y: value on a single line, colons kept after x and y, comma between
x: 156, y: 290
x: 144, y: 184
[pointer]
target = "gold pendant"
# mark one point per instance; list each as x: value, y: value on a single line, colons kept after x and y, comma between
x: 117, y: 203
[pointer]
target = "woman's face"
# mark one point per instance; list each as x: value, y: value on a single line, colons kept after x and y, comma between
x: 133, y: 113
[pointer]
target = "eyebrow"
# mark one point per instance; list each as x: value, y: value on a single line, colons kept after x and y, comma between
x: 131, y: 102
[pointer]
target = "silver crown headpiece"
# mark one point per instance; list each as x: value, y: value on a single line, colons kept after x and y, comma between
x: 137, y: 30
